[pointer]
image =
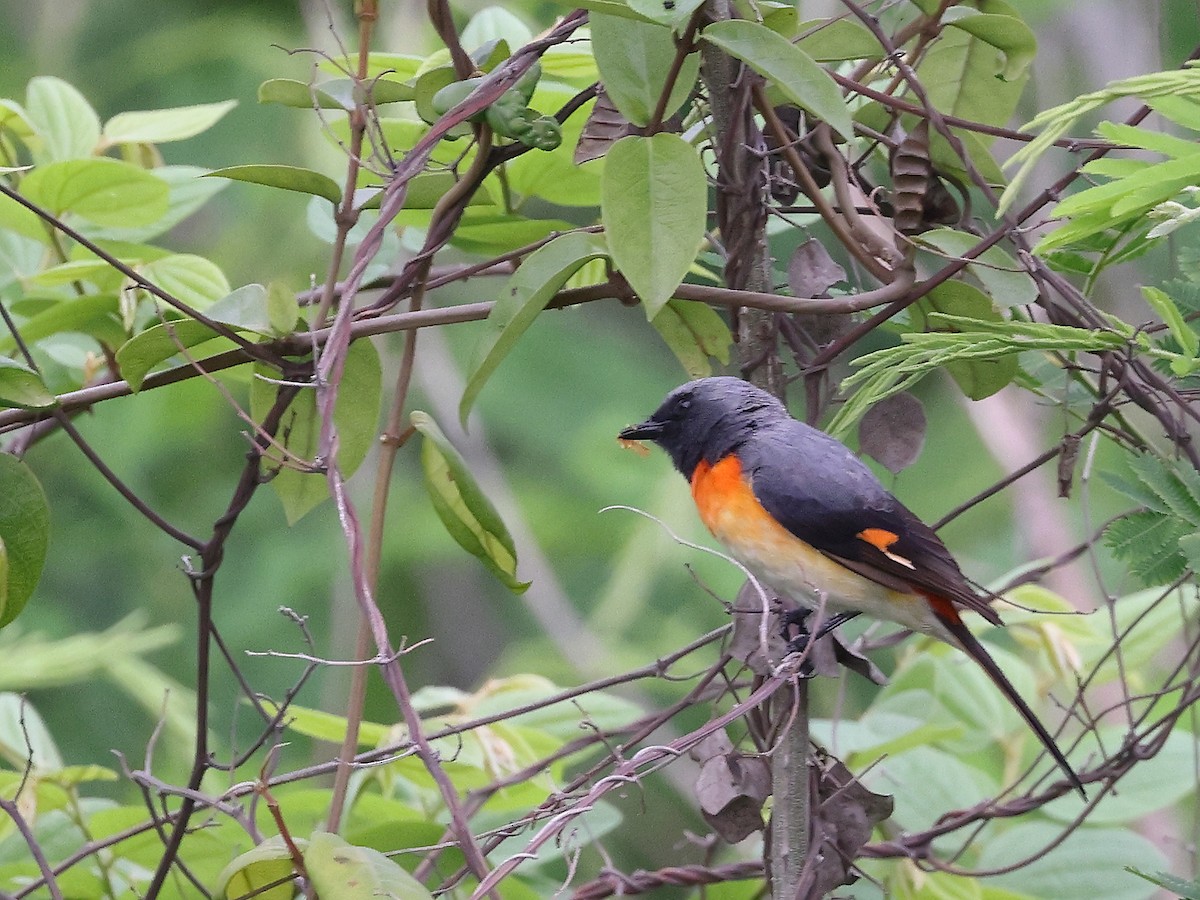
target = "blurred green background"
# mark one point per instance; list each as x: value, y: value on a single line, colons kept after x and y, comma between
x: 611, y: 590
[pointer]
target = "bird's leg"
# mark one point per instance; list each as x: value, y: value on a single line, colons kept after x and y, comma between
x: 798, y: 616
x: 796, y: 636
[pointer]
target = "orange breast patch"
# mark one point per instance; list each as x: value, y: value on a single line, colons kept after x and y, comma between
x: 726, y: 502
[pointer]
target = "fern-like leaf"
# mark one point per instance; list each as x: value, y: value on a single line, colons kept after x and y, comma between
x: 1149, y: 542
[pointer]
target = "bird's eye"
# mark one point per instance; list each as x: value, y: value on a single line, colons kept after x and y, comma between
x: 685, y: 404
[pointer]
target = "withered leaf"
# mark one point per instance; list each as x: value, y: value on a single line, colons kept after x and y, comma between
x: 893, y: 432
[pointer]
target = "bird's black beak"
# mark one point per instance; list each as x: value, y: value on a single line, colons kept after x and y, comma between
x: 649, y: 430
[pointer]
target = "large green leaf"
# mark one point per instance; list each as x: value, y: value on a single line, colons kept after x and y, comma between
x: 540, y: 276
x: 1086, y: 865
x: 1007, y: 33
x: 673, y: 14
x: 67, y: 127
x: 92, y: 314
x: 24, y: 535
x: 157, y: 344
x: 463, y: 508
x: 489, y: 233
x: 836, y: 40
x: 654, y: 200
x: 15, y: 217
x: 356, y: 415
x: 960, y: 70
x: 634, y: 59
x: 289, y: 178
x: 694, y: 332
x: 342, y: 870
x: 196, y: 281
x: 789, y: 68
x: 613, y: 8
x: 187, y: 192
x: 102, y: 190
x: 250, y: 873
x: 21, y: 387
x: 159, y: 126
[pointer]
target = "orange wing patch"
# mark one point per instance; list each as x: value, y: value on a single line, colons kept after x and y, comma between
x: 882, y: 539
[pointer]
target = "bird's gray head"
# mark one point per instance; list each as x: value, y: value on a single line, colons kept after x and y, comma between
x: 707, y: 419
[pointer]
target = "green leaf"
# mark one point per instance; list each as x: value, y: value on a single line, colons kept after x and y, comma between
x: 489, y: 233
x: 654, y: 200
x: 326, y: 726
x: 1007, y: 33
x: 245, y: 308
x: 1156, y: 141
x: 792, y: 70
x: 21, y: 387
x: 1002, y: 277
x: 837, y: 40
x: 1187, y: 890
x: 95, y: 271
x: 104, y: 191
x: 67, y: 127
x: 3, y: 576
x: 894, y: 369
x: 192, y: 279
x: 160, y: 126
x: 297, y: 94
x: 634, y: 59
x: 396, y: 66
x: 339, y: 869
x: 338, y: 93
x: 283, y: 311
x: 24, y: 534
x: 1135, y: 193
x: 1084, y: 866
x: 672, y: 14
x: 612, y: 8
x: 24, y: 735
x: 157, y: 344
x: 694, y: 332
x: 495, y: 23
x: 251, y: 872
x: 15, y: 217
x: 1171, y: 315
x: 1149, y: 542
x: 463, y: 508
x: 1189, y: 546
x: 187, y: 192
x: 540, y: 276
x: 356, y: 415
x: 288, y: 178
x: 959, y: 73
x: 1166, y: 483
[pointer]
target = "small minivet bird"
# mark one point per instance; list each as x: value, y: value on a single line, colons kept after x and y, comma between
x: 798, y: 509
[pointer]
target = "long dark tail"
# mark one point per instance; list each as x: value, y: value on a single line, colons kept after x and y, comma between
x: 949, y: 617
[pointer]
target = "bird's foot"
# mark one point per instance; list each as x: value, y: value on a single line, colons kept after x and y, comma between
x: 797, y: 637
